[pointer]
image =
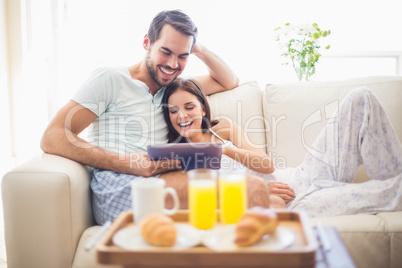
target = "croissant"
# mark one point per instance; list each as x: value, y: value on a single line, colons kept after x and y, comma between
x: 254, y: 224
x: 158, y: 230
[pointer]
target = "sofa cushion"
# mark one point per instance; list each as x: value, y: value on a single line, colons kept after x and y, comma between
x: 295, y: 113
x: 244, y: 105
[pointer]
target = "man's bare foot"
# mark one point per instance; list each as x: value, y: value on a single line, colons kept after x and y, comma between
x: 257, y: 192
x: 276, y: 202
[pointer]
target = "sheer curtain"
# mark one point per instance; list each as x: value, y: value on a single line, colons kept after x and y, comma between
x: 4, y: 93
x: 62, y: 41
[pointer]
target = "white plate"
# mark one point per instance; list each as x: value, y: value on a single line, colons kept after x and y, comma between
x: 221, y: 238
x: 130, y: 238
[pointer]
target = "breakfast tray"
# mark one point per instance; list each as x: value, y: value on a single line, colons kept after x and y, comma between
x: 301, y: 253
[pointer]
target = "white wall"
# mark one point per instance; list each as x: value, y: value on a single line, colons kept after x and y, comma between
x: 240, y: 31
x: 63, y: 40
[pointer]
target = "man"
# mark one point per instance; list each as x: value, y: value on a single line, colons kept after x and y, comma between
x: 124, y: 107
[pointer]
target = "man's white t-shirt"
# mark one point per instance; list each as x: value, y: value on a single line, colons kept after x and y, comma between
x: 129, y: 117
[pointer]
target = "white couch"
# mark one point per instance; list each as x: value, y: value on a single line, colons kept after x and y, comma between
x: 47, y: 210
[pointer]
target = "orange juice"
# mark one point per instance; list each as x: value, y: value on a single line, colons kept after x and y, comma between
x: 202, y: 203
x: 232, y: 197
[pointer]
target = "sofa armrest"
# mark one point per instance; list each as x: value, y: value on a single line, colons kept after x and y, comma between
x: 47, y: 207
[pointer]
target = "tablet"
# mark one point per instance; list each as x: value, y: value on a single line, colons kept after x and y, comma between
x: 192, y: 155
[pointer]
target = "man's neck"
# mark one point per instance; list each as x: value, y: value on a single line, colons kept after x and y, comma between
x: 140, y: 72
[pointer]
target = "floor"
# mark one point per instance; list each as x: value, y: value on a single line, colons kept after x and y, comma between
x: 3, y: 261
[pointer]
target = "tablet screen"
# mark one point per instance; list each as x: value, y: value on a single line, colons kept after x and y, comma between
x: 192, y: 155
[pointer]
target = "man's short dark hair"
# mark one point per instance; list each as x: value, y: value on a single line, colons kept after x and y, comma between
x: 176, y: 18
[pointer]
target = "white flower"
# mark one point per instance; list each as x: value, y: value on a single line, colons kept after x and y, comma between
x: 297, y: 46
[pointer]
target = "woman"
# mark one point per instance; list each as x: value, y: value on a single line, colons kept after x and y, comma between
x: 190, y: 121
x: 321, y: 185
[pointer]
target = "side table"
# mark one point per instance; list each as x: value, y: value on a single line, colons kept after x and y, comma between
x: 337, y: 256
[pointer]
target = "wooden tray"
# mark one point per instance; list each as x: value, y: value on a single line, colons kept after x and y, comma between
x: 301, y: 253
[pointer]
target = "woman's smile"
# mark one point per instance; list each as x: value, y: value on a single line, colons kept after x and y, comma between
x: 185, y: 125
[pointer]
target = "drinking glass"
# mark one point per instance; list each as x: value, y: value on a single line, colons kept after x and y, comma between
x: 202, y: 195
x: 232, y: 195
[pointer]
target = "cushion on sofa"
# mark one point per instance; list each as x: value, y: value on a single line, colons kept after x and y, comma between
x: 242, y: 104
x: 295, y: 113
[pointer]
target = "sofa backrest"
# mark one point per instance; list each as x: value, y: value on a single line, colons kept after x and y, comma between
x: 243, y: 105
x: 296, y: 112
x: 286, y: 118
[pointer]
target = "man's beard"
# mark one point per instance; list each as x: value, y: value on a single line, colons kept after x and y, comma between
x: 153, y: 72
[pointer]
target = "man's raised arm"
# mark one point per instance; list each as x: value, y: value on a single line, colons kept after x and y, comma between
x: 220, y: 78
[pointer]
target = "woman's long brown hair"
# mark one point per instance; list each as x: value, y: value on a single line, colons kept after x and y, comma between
x: 193, y: 87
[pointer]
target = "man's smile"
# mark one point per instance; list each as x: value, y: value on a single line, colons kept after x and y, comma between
x: 167, y: 71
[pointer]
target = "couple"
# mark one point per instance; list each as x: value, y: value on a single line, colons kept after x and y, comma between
x: 124, y: 107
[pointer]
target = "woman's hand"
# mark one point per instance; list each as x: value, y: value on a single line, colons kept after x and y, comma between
x: 282, y: 190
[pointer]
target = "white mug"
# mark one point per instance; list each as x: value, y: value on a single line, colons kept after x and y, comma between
x: 148, y: 196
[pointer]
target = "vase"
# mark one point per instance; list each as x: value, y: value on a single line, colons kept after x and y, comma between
x: 303, y: 73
